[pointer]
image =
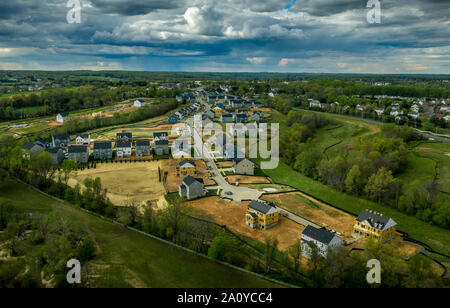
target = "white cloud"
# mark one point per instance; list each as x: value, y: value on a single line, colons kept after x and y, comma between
x: 256, y: 60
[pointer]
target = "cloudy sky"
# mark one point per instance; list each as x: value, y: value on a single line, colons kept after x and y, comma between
x: 227, y: 36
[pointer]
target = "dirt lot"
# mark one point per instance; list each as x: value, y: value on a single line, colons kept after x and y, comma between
x: 318, y: 213
x: 173, y: 181
x: 224, y: 164
x: 127, y: 181
x: 245, y: 179
x: 233, y: 216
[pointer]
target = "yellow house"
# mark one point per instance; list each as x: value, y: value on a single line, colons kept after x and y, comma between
x: 261, y: 214
x: 185, y: 168
x: 219, y: 111
x: 374, y: 224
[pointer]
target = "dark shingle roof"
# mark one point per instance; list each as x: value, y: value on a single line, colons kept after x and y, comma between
x: 84, y: 136
x: 77, y: 149
x: 260, y: 206
x: 187, y: 161
x: 322, y: 235
x: 29, y: 146
x: 162, y: 142
x: 376, y: 220
x: 142, y: 143
x: 189, y: 180
x: 102, y: 145
x: 53, y: 150
x: 123, y: 144
x: 124, y: 135
x: 61, y: 137
x: 161, y: 134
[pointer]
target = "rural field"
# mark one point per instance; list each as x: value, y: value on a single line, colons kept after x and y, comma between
x: 233, y: 216
x: 125, y: 258
x: 127, y: 181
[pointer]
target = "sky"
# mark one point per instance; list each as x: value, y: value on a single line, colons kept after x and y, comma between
x: 316, y: 36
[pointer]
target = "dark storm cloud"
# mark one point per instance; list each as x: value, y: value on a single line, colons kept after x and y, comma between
x: 132, y: 8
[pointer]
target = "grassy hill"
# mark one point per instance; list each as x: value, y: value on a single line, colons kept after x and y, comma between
x: 128, y: 259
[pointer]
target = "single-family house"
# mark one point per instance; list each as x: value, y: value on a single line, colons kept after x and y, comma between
x: 370, y: 223
x: 379, y: 111
x: 139, y: 104
x: 261, y: 214
x: 227, y: 118
x: 161, y: 142
x: 321, y: 239
x: 45, y: 143
x: 243, y: 166
x: 143, y: 148
x: 315, y: 104
x: 192, y: 188
x: 173, y: 119
x: 62, y: 117
x: 257, y: 116
x: 103, y: 150
x: 241, y: 118
x: 57, y: 154
x: 78, y: 153
x: 32, y: 150
x: 185, y: 168
x: 124, y: 136
x: 123, y: 148
x: 83, y: 139
x: 61, y: 141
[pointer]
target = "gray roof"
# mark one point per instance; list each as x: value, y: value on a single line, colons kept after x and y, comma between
x: 162, y: 142
x: 263, y: 207
x: 187, y: 161
x: 376, y: 220
x: 84, y: 136
x: 64, y: 114
x: 77, y: 149
x: 161, y: 134
x: 123, y: 144
x: 189, y: 180
x: 30, y: 145
x: 53, y: 150
x: 61, y: 137
x: 321, y: 235
x: 124, y: 135
x: 142, y: 143
x: 102, y: 145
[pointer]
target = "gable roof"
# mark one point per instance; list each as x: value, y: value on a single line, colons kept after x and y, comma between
x: 77, y: 149
x: 321, y: 235
x: 263, y: 207
x: 84, y: 136
x: 124, y: 135
x: 64, y: 114
x: 142, y: 143
x: 101, y: 145
x: 237, y: 161
x: 61, y: 137
x: 161, y: 142
x: 30, y: 145
x: 123, y: 144
x: 376, y: 220
x: 160, y: 134
x: 53, y: 150
x: 187, y: 162
x: 189, y: 180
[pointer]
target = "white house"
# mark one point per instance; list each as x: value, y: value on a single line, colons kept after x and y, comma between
x: 123, y: 149
x: 83, y: 139
x: 315, y: 103
x: 139, y: 104
x: 396, y: 112
x: 62, y: 117
x: 324, y: 240
x: 379, y: 111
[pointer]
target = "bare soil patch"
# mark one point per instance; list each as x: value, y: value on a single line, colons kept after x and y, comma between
x: 246, y: 179
x: 127, y: 181
x: 316, y: 212
x: 233, y: 216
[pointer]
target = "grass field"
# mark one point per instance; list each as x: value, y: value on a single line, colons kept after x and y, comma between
x: 127, y: 181
x: 435, y: 237
x: 128, y: 259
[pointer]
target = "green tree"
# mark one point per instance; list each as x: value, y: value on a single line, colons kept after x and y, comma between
x: 353, y: 181
x: 217, y: 249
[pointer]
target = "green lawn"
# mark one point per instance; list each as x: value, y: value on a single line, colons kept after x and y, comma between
x: 129, y: 259
x: 435, y: 237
